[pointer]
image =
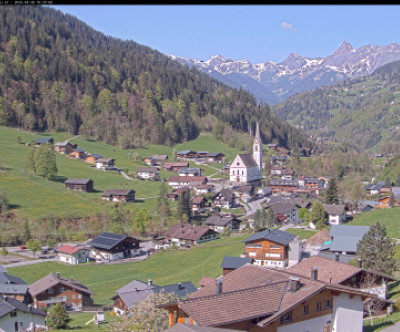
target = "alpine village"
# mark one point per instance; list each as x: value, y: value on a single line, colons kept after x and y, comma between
x: 138, y: 193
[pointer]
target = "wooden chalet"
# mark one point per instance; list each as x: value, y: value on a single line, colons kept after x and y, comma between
x: 218, y: 223
x: 64, y: 147
x: 253, y: 298
x: 198, y: 205
x: 224, y: 199
x: 92, y: 158
x: 336, y: 213
x: 52, y: 289
x: 110, y: 247
x: 272, y: 248
x: 119, y: 195
x: 12, y: 286
x: 149, y: 172
x: 77, y: 153
x: 177, y: 181
x: 174, y: 167
x: 44, y: 140
x: 186, y: 154
x: 104, y: 163
x: 79, y: 184
x: 184, y: 234
x: 215, y: 157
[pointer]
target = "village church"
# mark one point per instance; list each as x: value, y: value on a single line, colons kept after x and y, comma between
x: 247, y: 167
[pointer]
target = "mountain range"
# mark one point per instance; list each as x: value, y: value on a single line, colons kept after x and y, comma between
x: 272, y: 82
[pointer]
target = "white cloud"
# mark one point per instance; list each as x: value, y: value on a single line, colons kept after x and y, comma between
x: 287, y: 26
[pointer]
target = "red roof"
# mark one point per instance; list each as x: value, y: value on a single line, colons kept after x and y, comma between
x: 67, y: 249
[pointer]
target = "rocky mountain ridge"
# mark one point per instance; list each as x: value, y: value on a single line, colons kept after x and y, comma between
x: 273, y: 82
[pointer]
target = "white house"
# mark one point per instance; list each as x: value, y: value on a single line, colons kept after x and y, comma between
x: 73, y: 254
x: 150, y: 172
x: 336, y: 213
x: 17, y: 316
x: 247, y: 168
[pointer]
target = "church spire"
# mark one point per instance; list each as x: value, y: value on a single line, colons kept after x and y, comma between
x: 257, y: 148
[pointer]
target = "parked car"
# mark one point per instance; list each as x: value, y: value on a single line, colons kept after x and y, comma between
x: 23, y: 247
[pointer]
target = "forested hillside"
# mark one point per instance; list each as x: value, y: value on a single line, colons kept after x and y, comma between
x: 59, y: 74
x: 363, y: 113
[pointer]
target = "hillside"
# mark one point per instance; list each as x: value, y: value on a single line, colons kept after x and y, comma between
x: 58, y: 74
x: 361, y: 113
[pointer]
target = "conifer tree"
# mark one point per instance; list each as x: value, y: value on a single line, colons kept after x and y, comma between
x: 331, y: 196
x: 377, y: 250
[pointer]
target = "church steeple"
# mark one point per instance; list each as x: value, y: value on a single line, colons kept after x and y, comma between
x: 257, y: 148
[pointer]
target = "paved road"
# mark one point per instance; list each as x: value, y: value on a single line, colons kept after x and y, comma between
x: 393, y: 328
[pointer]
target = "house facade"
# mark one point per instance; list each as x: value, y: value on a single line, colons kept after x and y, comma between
x: 218, y: 223
x: 270, y: 248
x: 336, y: 213
x: 17, y: 316
x: 119, y: 195
x: 73, y: 255
x: 224, y: 199
x: 183, y: 234
x: 64, y: 147
x: 110, y: 247
x: 79, y: 184
x: 13, y: 287
x: 176, y: 181
x: 150, y: 172
x: 104, y: 163
x: 53, y: 288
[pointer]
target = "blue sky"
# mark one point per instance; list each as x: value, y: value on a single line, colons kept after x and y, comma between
x: 258, y: 33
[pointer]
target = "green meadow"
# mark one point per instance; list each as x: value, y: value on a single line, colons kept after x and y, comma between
x: 34, y: 197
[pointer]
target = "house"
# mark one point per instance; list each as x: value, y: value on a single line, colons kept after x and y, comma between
x: 73, y: 255
x: 247, y: 168
x: 159, y: 158
x: 224, y: 199
x: 77, y: 153
x: 186, y: 154
x: 334, y: 271
x: 198, y: 204
x: 272, y: 248
x: 254, y: 298
x: 110, y: 246
x: 92, y: 158
x: 336, y: 213
x: 287, y: 174
x: 203, y: 189
x: 345, y: 238
x: 230, y: 263
x: 277, y: 170
x: 183, y: 234
x: 174, y: 195
x: 44, y: 140
x: 245, y: 193
x: 53, y: 288
x: 137, y: 291
x: 149, y: 161
x: 64, y: 147
x: 150, y: 172
x: 79, y: 184
x: 285, y: 212
x: 105, y: 163
x: 283, y: 187
x: 12, y: 286
x: 18, y: 316
x: 215, y: 157
x: 373, y: 189
x: 174, y: 167
x: 176, y: 181
x: 218, y: 223
x: 119, y: 195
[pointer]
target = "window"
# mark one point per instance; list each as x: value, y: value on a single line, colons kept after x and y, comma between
x: 61, y: 289
x: 319, y: 306
x: 252, y: 254
x: 286, y: 317
x: 13, y: 314
x: 274, y: 246
x: 73, y: 297
x: 305, y: 310
x: 328, y: 304
x: 50, y: 291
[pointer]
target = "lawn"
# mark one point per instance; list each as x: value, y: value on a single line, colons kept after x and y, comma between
x: 303, y: 234
x: 165, y: 267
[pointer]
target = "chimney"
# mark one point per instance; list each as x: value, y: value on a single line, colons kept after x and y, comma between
x: 58, y: 275
x: 337, y: 257
x: 218, y: 286
x: 359, y: 263
x: 294, y: 284
x: 314, y: 273
x: 149, y: 283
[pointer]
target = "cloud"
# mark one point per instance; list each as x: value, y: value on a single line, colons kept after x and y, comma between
x: 287, y: 26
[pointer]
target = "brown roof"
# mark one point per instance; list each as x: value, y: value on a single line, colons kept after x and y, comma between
x: 251, y: 292
x: 170, y: 164
x: 67, y: 249
x: 177, y: 178
x: 333, y: 209
x: 187, y: 232
x: 52, y: 280
x: 328, y: 270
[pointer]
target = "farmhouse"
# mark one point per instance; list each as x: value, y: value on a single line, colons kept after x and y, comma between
x: 197, y: 204
x: 191, y: 171
x: 92, y: 158
x: 104, y: 163
x: 273, y: 248
x: 215, y: 157
x: 17, y: 316
x: 79, y: 184
x: 224, y: 199
x: 150, y: 172
x: 254, y: 298
x: 174, y: 167
x: 53, y: 288
x: 73, y: 254
x: 137, y: 291
x: 64, y: 147
x: 119, y: 195
x: 44, y: 140
x: 110, y: 246
x: 77, y: 153
x: 219, y: 223
x: 176, y: 181
x: 159, y: 158
x: 336, y: 213
x: 180, y: 235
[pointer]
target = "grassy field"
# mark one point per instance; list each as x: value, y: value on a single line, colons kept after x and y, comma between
x: 165, y: 267
x: 35, y: 197
x: 304, y: 234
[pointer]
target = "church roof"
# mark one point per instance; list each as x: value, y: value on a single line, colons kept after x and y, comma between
x: 248, y: 160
